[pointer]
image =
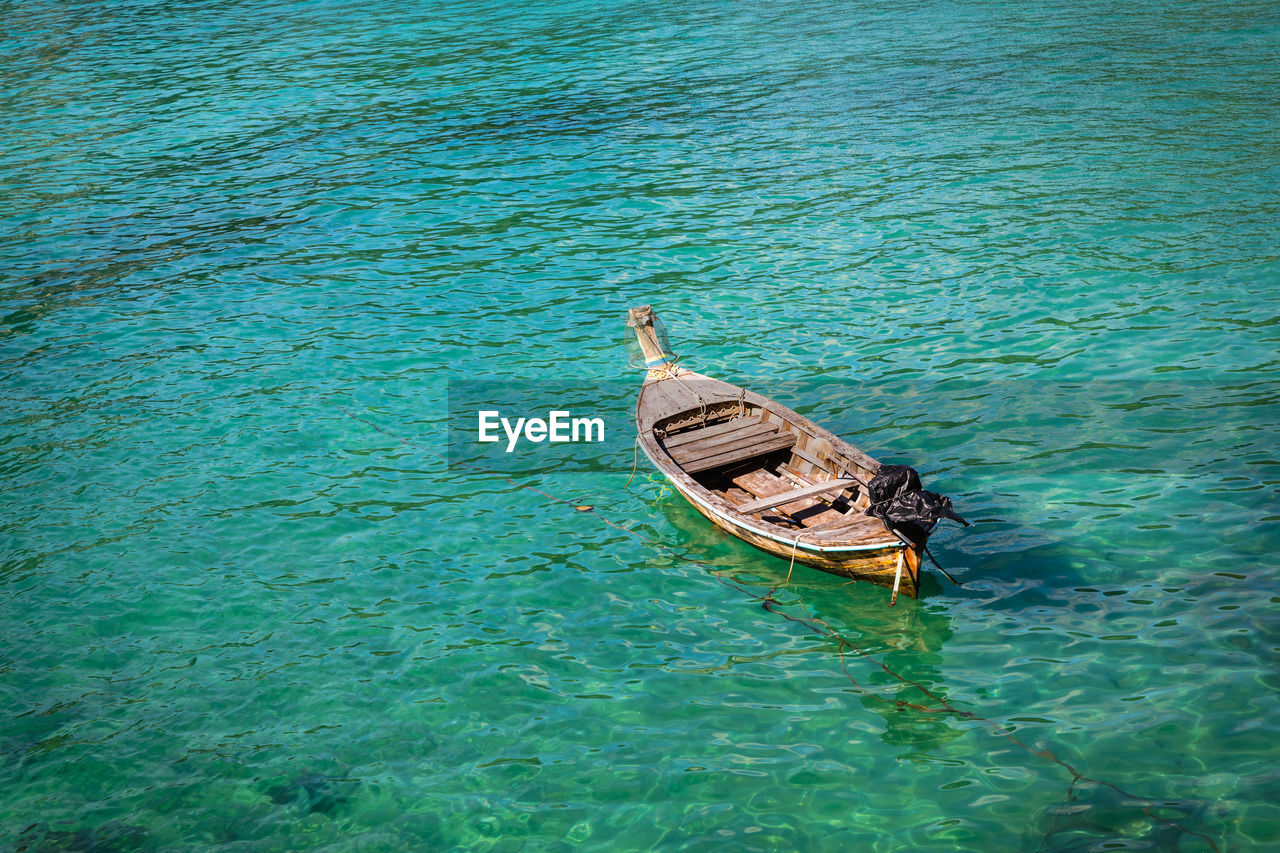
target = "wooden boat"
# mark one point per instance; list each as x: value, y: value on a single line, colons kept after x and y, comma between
x: 765, y: 473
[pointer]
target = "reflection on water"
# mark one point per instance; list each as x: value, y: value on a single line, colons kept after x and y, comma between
x: 896, y: 652
x: 913, y: 685
x: 1094, y: 817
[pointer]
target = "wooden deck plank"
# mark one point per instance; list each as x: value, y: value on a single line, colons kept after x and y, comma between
x: 793, y: 472
x: 721, y: 443
x: 817, y: 515
x: 807, y: 511
x: 740, y: 453
x: 683, y: 438
x: 666, y: 399
x: 761, y: 483
x: 810, y: 491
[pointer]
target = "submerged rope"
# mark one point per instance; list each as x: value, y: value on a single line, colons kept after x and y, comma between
x: 822, y: 628
x: 635, y: 460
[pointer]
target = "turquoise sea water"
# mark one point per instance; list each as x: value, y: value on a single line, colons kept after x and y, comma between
x: 249, y: 251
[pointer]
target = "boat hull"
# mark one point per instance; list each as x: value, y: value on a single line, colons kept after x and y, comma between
x: 873, y: 564
x: 766, y: 474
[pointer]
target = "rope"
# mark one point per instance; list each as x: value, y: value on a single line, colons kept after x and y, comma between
x: 701, y: 402
x: 635, y: 459
x: 822, y: 628
x: 794, y: 544
x: 938, y: 565
x: 664, y: 371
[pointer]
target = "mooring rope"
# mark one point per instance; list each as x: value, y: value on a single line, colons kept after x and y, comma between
x: 795, y: 543
x: 822, y: 628
x: 635, y: 460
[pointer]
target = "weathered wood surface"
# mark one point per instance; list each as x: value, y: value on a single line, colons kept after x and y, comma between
x: 642, y: 319
x: 805, y: 512
x: 761, y: 484
x: 685, y: 391
x: 811, y: 491
x: 666, y: 398
x: 699, y: 442
x: 741, y: 453
x: 726, y: 444
x: 853, y: 526
x: 874, y: 566
x: 703, y: 433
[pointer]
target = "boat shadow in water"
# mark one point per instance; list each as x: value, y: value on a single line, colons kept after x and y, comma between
x: 895, y: 661
x: 893, y: 657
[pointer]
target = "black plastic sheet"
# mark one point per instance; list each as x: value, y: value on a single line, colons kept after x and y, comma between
x: 906, y: 508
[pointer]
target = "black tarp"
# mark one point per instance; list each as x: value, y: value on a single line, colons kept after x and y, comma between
x: 898, y: 500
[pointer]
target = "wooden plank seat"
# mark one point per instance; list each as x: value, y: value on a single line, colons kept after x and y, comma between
x: 811, y: 491
x: 727, y: 443
x: 805, y: 511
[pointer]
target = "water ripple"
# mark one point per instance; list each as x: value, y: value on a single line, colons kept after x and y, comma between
x: 1030, y: 249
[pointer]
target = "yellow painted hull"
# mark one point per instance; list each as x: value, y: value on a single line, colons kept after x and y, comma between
x: 874, y: 565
